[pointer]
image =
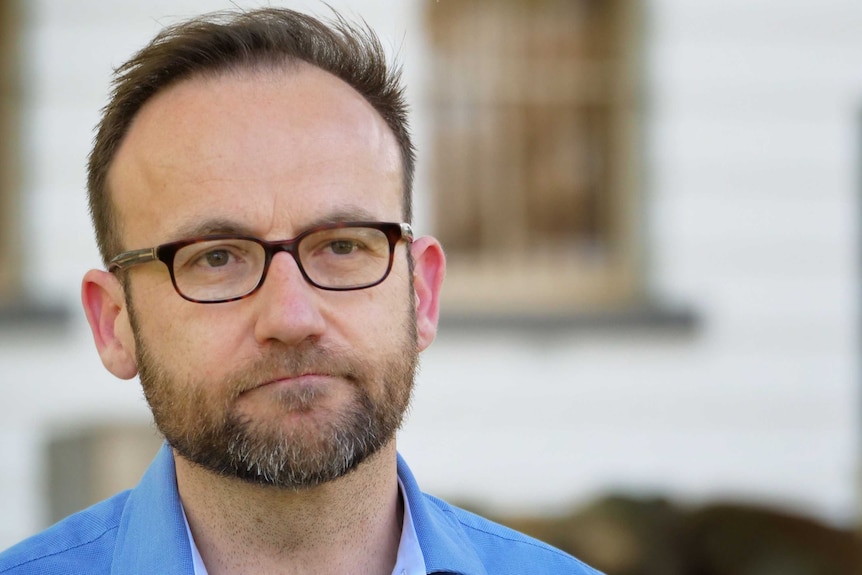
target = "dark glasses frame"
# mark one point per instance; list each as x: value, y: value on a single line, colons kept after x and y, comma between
x: 165, y: 253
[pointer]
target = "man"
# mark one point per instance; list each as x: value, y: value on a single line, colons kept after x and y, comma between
x: 277, y: 369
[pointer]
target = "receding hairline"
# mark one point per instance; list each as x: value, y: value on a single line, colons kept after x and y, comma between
x: 286, y: 66
x: 251, y: 74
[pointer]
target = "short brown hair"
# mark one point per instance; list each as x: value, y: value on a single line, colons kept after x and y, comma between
x: 225, y: 41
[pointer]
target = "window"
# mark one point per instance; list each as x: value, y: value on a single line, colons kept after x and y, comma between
x: 534, y: 112
x: 88, y: 464
x: 10, y: 268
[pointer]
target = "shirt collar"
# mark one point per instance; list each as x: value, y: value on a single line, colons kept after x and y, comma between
x: 445, y: 547
x: 410, y: 560
x: 197, y: 560
x: 150, y: 536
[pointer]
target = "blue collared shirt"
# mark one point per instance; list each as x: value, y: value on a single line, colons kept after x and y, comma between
x: 143, y: 531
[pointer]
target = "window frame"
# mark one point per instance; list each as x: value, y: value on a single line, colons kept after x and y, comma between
x: 11, y: 257
x: 480, y: 285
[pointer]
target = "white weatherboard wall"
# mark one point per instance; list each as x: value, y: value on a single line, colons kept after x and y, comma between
x: 751, y: 153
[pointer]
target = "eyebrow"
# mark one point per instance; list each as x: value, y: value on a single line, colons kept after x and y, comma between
x: 211, y: 227
x: 230, y: 227
x: 352, y: 214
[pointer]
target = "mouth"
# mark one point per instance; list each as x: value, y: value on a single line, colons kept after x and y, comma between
x: 297, y: 378
x: 295, y: 394
x: 302, y: 380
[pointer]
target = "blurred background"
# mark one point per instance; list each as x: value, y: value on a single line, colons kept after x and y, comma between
x: 649, y: 350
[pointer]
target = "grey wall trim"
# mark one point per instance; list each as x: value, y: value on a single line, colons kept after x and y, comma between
x: 29, y: 314
x: 646, y: 317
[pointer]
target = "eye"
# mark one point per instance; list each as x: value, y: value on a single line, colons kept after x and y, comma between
x: 216, y: 258
x: 221, y: 255
x: 343, y: 247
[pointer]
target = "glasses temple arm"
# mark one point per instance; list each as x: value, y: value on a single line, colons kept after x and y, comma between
x: 132, y: 258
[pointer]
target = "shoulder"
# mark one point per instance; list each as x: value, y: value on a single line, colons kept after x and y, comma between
x: 504, y: 551
x: 455, y: 540
x: 82, y: 543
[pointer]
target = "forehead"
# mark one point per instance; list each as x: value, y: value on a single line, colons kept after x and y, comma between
x: 270, y: 150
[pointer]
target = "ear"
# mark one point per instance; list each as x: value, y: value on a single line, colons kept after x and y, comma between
x: 429, y: 268
x: 105, y: 305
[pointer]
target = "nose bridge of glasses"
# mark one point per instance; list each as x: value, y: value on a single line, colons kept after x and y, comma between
x: 288, y: 246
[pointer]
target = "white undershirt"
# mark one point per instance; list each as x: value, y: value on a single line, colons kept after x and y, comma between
x: 409, y: 561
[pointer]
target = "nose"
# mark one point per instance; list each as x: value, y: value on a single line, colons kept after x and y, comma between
x: 288, y: 306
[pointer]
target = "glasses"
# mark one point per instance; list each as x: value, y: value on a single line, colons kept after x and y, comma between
x: 225, y: 267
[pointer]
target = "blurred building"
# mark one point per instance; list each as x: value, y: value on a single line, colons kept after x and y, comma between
x: 651, y: 214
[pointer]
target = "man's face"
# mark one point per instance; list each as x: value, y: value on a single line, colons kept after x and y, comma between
x: 293, y: 386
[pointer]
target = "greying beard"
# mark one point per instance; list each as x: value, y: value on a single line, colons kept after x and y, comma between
x: 292, y: 464
x: 294, y: 459
x: 208, y: 432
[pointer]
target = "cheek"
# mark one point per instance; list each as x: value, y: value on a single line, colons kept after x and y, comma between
x: 189, y: 341
x: 375, y: 320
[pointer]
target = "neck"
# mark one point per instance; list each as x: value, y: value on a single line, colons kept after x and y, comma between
x: 350, y: 525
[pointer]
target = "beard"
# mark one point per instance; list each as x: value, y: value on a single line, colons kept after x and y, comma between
x: 202, y: 421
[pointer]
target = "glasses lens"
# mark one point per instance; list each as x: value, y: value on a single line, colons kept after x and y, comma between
x: 345, y: 258
x: 218, y: 269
